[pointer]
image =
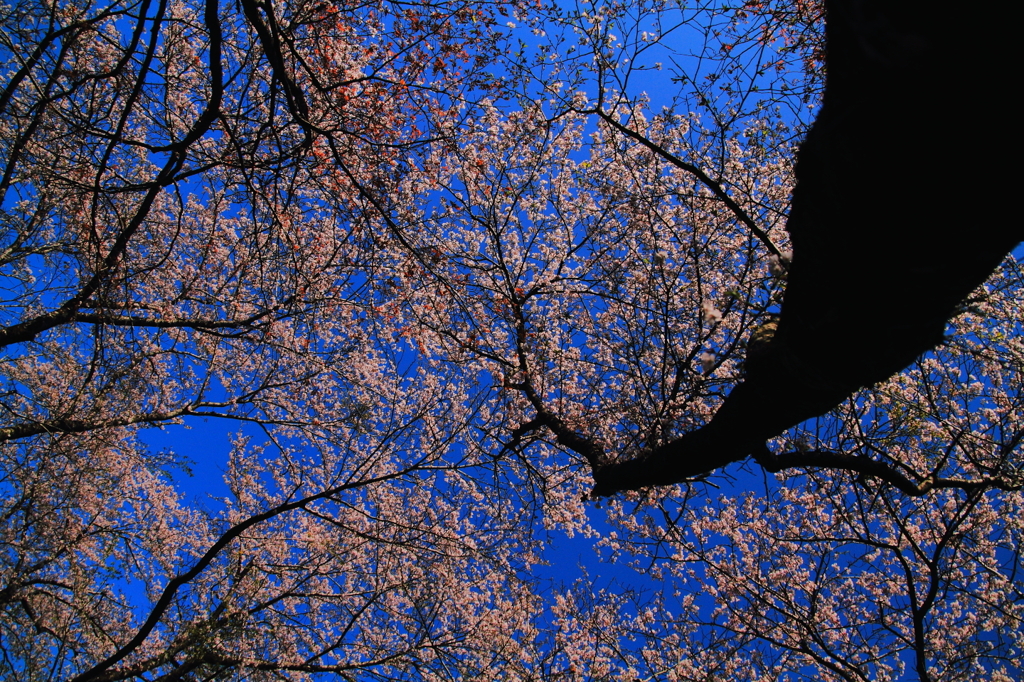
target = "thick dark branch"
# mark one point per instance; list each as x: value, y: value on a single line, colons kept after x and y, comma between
x: 269, y: 37
x: 212, y: 111
x: 887, y: 241
x: 690, y: 457
x: 859, y: 464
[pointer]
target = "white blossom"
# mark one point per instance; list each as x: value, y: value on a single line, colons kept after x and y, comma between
x: 707, y: 361
x: 712, y: 314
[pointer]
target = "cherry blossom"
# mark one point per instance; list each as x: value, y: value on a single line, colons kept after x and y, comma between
x: 435, y: 285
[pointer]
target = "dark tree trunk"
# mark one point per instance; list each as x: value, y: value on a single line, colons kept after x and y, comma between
x: 903, y: 205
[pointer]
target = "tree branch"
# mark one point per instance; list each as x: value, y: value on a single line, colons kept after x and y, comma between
x: 878, y: 227
x: 182, y: 579
x: 715, y: 187
x: 866, y: 466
